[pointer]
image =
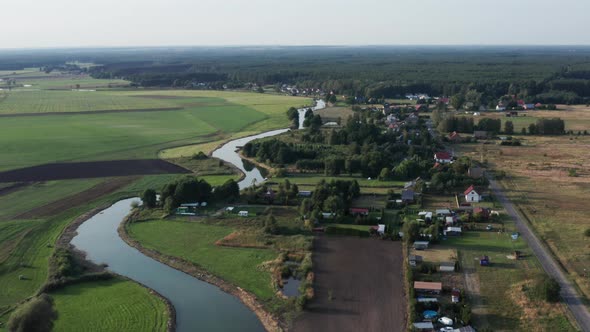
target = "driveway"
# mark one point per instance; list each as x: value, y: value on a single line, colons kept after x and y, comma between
x: 568, y: 292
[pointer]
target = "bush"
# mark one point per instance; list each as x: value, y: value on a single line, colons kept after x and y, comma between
x: 199, y: 156
x: 587, y: 232
x: 149, y: 199
x: 550, y: 290
x: 37, y: 315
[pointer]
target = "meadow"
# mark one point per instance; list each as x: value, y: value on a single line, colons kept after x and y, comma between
x: 554, y: 202
x: 195, y: 242
x: 111, y: 305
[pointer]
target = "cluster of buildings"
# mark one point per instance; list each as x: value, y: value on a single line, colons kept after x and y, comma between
x: 296, y: 91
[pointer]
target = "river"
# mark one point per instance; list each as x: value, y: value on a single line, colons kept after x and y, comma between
x: 199, y: 306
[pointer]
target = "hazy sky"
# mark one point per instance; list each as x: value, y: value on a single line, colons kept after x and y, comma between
x: 58, y: 23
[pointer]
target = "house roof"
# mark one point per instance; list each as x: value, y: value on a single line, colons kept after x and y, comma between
x: 427, y: 285
x: 442, y: 155
x: 470, y: 189
x: 359, y: 210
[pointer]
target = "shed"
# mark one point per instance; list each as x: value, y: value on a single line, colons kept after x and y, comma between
x: 304, y: 193
x: 381, y: 228
x: 428, y: 287
x: 452, y: 231
x: 408, y: 196
x: 447, y: 267
x: 243, y: 213
x: 443, y: 212
x: 414, y: 259
x: 328, y: 215
x: 426, y: 326
x: 421, y: 245
x: 455, y: 295
x: 426, y: 299
x: 449, y: 220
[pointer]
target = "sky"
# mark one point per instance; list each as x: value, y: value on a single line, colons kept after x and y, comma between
x: 84, y: 23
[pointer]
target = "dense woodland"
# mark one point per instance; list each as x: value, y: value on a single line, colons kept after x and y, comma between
x: 534, y: 74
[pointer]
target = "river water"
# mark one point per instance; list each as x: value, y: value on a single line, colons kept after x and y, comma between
x: 199, y: 306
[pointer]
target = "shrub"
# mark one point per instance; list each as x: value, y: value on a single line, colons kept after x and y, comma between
x: 199, y: 156
x: 37, y: 315
x: 149, y: 199
x: 587, y: 232
x: 551, y: 289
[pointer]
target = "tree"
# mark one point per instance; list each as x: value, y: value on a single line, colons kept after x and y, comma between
x: 170, y: 204
x: 523, y: 131
x: 532, y: 129
x: 436, y: 116
x: 457, y: 101
x: 587, y: 232
x: 148, y: 197
x: 551, y: 289
x: 334, y: 204
x: 508, y: 128
x: 270, y: 225
x: 37, y: 315
x: 229, y: 191
x: 305, y: 207
x: 385, y: 174
x: 466, y: 314
x: 411, y: 230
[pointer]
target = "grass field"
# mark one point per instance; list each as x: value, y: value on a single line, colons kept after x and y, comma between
x: 195, y: 242
x: 493, y: 302
x: 555, y: 203
x: 112, y: 305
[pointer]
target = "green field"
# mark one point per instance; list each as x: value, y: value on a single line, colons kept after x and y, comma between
x: 195, y: 242
x: 112, y: 305
x: 27, y: 141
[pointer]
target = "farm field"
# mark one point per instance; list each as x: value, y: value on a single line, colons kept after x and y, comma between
x: 495, y: 291
x: 195, y: 242
x: 28, y: 141
x: 348, y: 296
x: 555, y: 203
x: 112, y: 305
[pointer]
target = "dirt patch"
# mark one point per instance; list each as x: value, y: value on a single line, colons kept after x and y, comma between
x: 92, y: 169
x: 358, y: 286
x: 83, y: 197
x: 92, y: 112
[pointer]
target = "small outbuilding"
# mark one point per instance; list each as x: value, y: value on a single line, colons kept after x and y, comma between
x: 421, y: 245
x: 428, y: 287
x: 243, y: 213
x: 424, y: 326
x: 447, y: 267
x: 452, y: 231
x: 414, y: 260
x: 484, y: 261
x: 408, y: 196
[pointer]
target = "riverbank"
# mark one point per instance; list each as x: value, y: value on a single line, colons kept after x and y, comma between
x: 269, y: 321
x: 64, y: 242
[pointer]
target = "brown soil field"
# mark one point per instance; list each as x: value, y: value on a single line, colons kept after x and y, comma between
x: 92, y: 112
x: 91, y: 169
x: 83, y: 197
x: 358, y: 286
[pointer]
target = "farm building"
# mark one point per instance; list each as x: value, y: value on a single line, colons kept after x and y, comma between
x: 482, y: 134
x: 414, y: 260
x: 421, y: 245
x: 428, y: 287
x: 443, y: 157
x: 452, y: 231
x: 447, y: 267
x: 472, y: 194
x: 408, y: 196
x: 304, y: 193
x: 359, y: 211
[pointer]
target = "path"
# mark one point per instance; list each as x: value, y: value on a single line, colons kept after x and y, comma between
x: 568, y: 293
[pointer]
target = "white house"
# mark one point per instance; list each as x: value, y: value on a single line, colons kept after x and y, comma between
x: 472, y: 195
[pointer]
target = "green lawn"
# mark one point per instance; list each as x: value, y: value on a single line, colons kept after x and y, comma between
x: 112, y: 305
x: 195, y: 242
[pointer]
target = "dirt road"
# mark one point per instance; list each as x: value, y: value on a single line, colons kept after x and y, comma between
x: 358, y: 286
x: 568, y: 292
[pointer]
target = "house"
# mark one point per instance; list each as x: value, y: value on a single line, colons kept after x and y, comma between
x: 421, y: 245
x: 454, y: 137
x: 428, y: 287
x: 243, y: 213
x: 480, y: 134
x: 424, y: 326
x: 442, y: 157
x: 408, y: 196
x: 500, y: 107
x: 472, y: 195
x: 447, y: 267
x: 475, y: 172
x: 359, y: 211
x: 452, y: 231
x: 328, y: 215
x: 414, y: 260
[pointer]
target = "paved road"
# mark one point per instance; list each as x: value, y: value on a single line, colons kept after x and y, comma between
x: 568, y: 292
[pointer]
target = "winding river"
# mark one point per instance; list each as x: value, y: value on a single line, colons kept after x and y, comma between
x: 199, y: 306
